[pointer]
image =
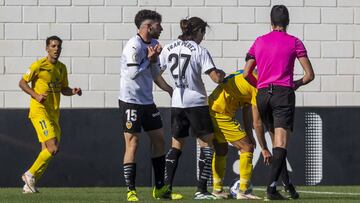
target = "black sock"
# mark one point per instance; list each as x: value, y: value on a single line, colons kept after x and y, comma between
x: 285, y: 175
x: 279, y: 156
x: 171, y: 164
x: 159, y: 169
x: 205, y: 159
x: 130, y: 175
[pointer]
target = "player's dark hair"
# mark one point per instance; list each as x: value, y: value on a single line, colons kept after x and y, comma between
x: 54, y: 37
x: 144, y: 14
x: 190, y: 27
x: 279, y: 16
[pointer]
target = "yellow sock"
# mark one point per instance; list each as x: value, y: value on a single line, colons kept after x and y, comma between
x: 40, y: 164
x: 246, y: 169
x: 218, y: 169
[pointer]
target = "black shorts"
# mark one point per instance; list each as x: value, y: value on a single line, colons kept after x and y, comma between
x: 135, y: 116
x: 276, y: 106
x: 198, y: 118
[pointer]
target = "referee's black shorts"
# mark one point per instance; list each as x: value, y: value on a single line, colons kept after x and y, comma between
x: 276, y: 106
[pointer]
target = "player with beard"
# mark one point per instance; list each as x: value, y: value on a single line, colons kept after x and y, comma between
x: 139, y: 68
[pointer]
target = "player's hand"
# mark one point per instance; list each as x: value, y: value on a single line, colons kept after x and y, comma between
x: 77, y: 90
x: 152, y: 54
x: 267, y: 156
x: 41, y: 98
x: 158, y: 48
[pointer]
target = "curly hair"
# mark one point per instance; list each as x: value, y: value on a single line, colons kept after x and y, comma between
x: 143, y: 15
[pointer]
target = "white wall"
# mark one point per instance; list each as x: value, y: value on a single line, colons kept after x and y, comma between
x: 94, y: 32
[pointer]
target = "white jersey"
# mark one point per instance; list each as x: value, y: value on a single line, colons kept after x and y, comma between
x: 136, y: 73
x: 187, y: 61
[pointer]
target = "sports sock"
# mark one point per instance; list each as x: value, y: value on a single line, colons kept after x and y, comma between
x: 279, y: 156
x: 159, y: 169
x: 285, y: 174
x: 246, y: 169
x: 130, y: 175
x: 171, y: 164
x: 204, y: 162
x: 218, y: 170
x: 40, y: 164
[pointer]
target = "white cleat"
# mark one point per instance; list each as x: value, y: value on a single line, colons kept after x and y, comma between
x: 29, y: 181
x: 248, y: 196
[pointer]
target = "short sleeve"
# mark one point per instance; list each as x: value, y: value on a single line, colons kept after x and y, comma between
x: 163, y: 61
x: 300, y: 49
x: 251, y: 52
x: 131, y: 53
x: 207, y: 62
x: 32, y: 72
x: 64, y: 81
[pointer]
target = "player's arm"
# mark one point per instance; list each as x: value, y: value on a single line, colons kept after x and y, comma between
x: 260, y: 134
x: 248, y: 70
x: 152, y: 56
x: 309, y: 73
x: 216, y: 75
x: 26, y: 88
x: 160, y: 82
x: 71, y: 91
x: 247, y: 120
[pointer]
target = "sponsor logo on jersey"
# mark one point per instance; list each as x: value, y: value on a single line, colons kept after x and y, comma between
x: 46, y: 132
x: 128, y: 124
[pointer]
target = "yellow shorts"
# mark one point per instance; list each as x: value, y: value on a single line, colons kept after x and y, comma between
x: 226, y: 128
x: 46, y: 128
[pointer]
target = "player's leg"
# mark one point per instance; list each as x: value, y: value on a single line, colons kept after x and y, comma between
x: 48, y: 137
x: 246, y: 148
x: 130, y: 115
x: 219, y: 168
x: 283, y: 108
x: 202, y: 127
x: 219, y: 158
x: 172, y: 160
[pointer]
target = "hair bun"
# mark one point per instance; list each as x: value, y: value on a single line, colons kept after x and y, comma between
x: 184, y: 25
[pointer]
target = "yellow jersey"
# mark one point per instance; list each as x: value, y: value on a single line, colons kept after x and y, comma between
x: 232, y: 94
x: 50, y: 79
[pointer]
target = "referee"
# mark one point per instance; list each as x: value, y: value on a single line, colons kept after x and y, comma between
x: 274, y: 55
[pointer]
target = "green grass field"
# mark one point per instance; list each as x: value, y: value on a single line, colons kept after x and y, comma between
x: 102, y: 195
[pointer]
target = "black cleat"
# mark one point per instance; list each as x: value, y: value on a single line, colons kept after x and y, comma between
x: 292, y: 192
x: 274, y: 196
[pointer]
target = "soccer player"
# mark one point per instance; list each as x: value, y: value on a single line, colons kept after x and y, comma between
x: 274, y: 55
x: 139, y: 68
x: 187, y: 61
x: 48, y: 77
x: 233, y: 94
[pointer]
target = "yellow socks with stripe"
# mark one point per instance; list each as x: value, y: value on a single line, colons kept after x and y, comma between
x: 40, y: 164
x: 218, y: 169
x: 246, y: 169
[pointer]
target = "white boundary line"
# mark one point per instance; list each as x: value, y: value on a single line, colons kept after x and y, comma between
x: 316, y: 192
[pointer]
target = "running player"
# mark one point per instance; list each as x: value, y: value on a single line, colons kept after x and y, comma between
x: 187, y: 61
x: 139, y: 68
x: 233, y: 94
x: 274, y: 55
x: 48, y: 77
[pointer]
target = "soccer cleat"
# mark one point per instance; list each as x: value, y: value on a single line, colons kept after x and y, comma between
x: 29, y: 181
x: 204, y: 195
x: 132, y: 196
x: 26, y: 190
x: 165, y: 193
x: 220, y: 194
x: 248, y: 196
x: 292, y: 192
x: 274, y: 196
